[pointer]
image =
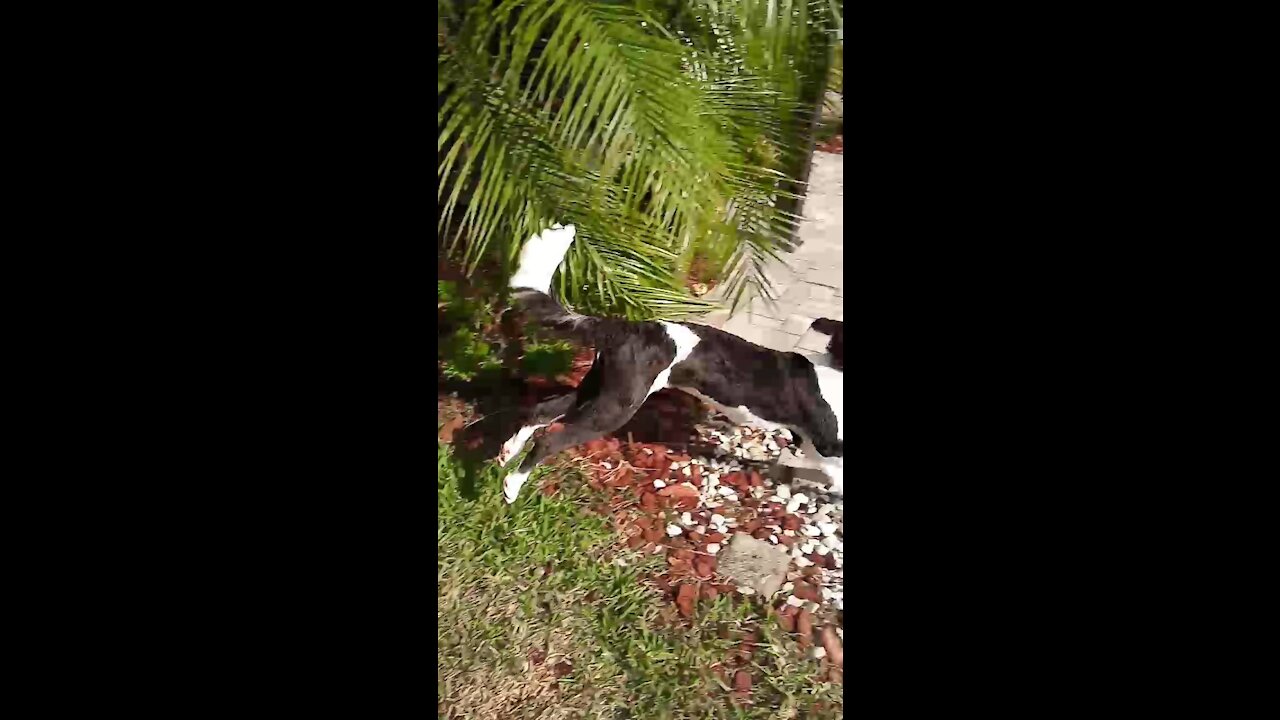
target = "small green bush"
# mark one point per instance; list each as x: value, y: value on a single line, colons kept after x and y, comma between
x: 547, y: 359
x: 464, y: 353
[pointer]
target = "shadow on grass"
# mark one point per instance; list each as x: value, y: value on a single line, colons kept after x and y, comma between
x: 501, y: 406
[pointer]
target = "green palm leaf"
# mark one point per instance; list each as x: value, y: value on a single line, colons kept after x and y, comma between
x: 661, y: 129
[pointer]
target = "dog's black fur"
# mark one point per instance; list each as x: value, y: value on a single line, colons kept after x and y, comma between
x: 780, y: 387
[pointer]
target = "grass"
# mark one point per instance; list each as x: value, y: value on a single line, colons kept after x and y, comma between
x: 542, y: 614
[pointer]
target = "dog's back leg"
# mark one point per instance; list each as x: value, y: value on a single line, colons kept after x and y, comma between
x: 621, y: 393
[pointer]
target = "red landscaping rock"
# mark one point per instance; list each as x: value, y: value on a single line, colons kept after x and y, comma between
x: 831, y: 641
x: 791, y: 522
x: 704, y: 567
x: 804, y: 626
x: 805, y: 591
x: 709, y: 592
x: 786, y: 622
x: 686, y: 598
x: 742, y: 682
x: 679, y: 491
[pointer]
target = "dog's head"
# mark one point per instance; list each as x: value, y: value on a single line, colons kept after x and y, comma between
x: 835, y: 346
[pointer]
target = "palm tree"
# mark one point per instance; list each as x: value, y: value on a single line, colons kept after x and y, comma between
x: 664, y: 129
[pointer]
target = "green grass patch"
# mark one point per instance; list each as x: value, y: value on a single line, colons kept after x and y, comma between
x: 536, y: 620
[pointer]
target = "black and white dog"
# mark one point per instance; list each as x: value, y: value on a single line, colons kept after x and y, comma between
x: 746, y: 382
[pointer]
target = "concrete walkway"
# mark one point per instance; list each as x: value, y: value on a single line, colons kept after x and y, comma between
x: 811, y: 284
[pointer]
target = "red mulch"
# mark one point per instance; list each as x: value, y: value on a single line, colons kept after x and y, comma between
x: 834, y: 145
x: 623, y: 467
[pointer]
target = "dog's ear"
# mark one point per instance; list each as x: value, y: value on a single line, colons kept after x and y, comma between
x: 827, y: 326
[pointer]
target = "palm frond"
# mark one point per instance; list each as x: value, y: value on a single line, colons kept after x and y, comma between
x: 661, y: 130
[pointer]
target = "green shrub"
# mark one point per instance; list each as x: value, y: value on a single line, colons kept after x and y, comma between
x: 464, y: 353
x: 547, y: 359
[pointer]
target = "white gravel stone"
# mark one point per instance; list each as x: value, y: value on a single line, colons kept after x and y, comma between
x: 713, y: 548
x: 746, y: 590
x: 773, y: 539
x: 819, y: 652
x: 822, y: 549
x: 717, y: 519
x: 789, y: 533
x: 686, y: 518
x: 659, y: 484
x: 827, y: 528
x: 803, y: 562
x: 794, y: 601
x: 788, y: 586
x: 832, y: 542
x: 810, y: 530
x: 783, y: 492
x: 674, y: 529
x: 606, y: 465
x: 793, y: 505
x: 674, y: 464
x: 804, y: 499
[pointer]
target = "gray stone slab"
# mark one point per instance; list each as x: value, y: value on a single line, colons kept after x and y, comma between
x: 797, y: 294
x: 778, y: 340
x: 738, y: 324
x: 753, y: 563
x: 797, y: 324
x: 832, y: 277
x: 778, y: 310
x: 813, y: 340
x: 821, y: 293
x: 765, y: 322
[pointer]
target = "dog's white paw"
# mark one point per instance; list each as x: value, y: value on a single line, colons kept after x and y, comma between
x: 511, y: 485
x: 512, y: 447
